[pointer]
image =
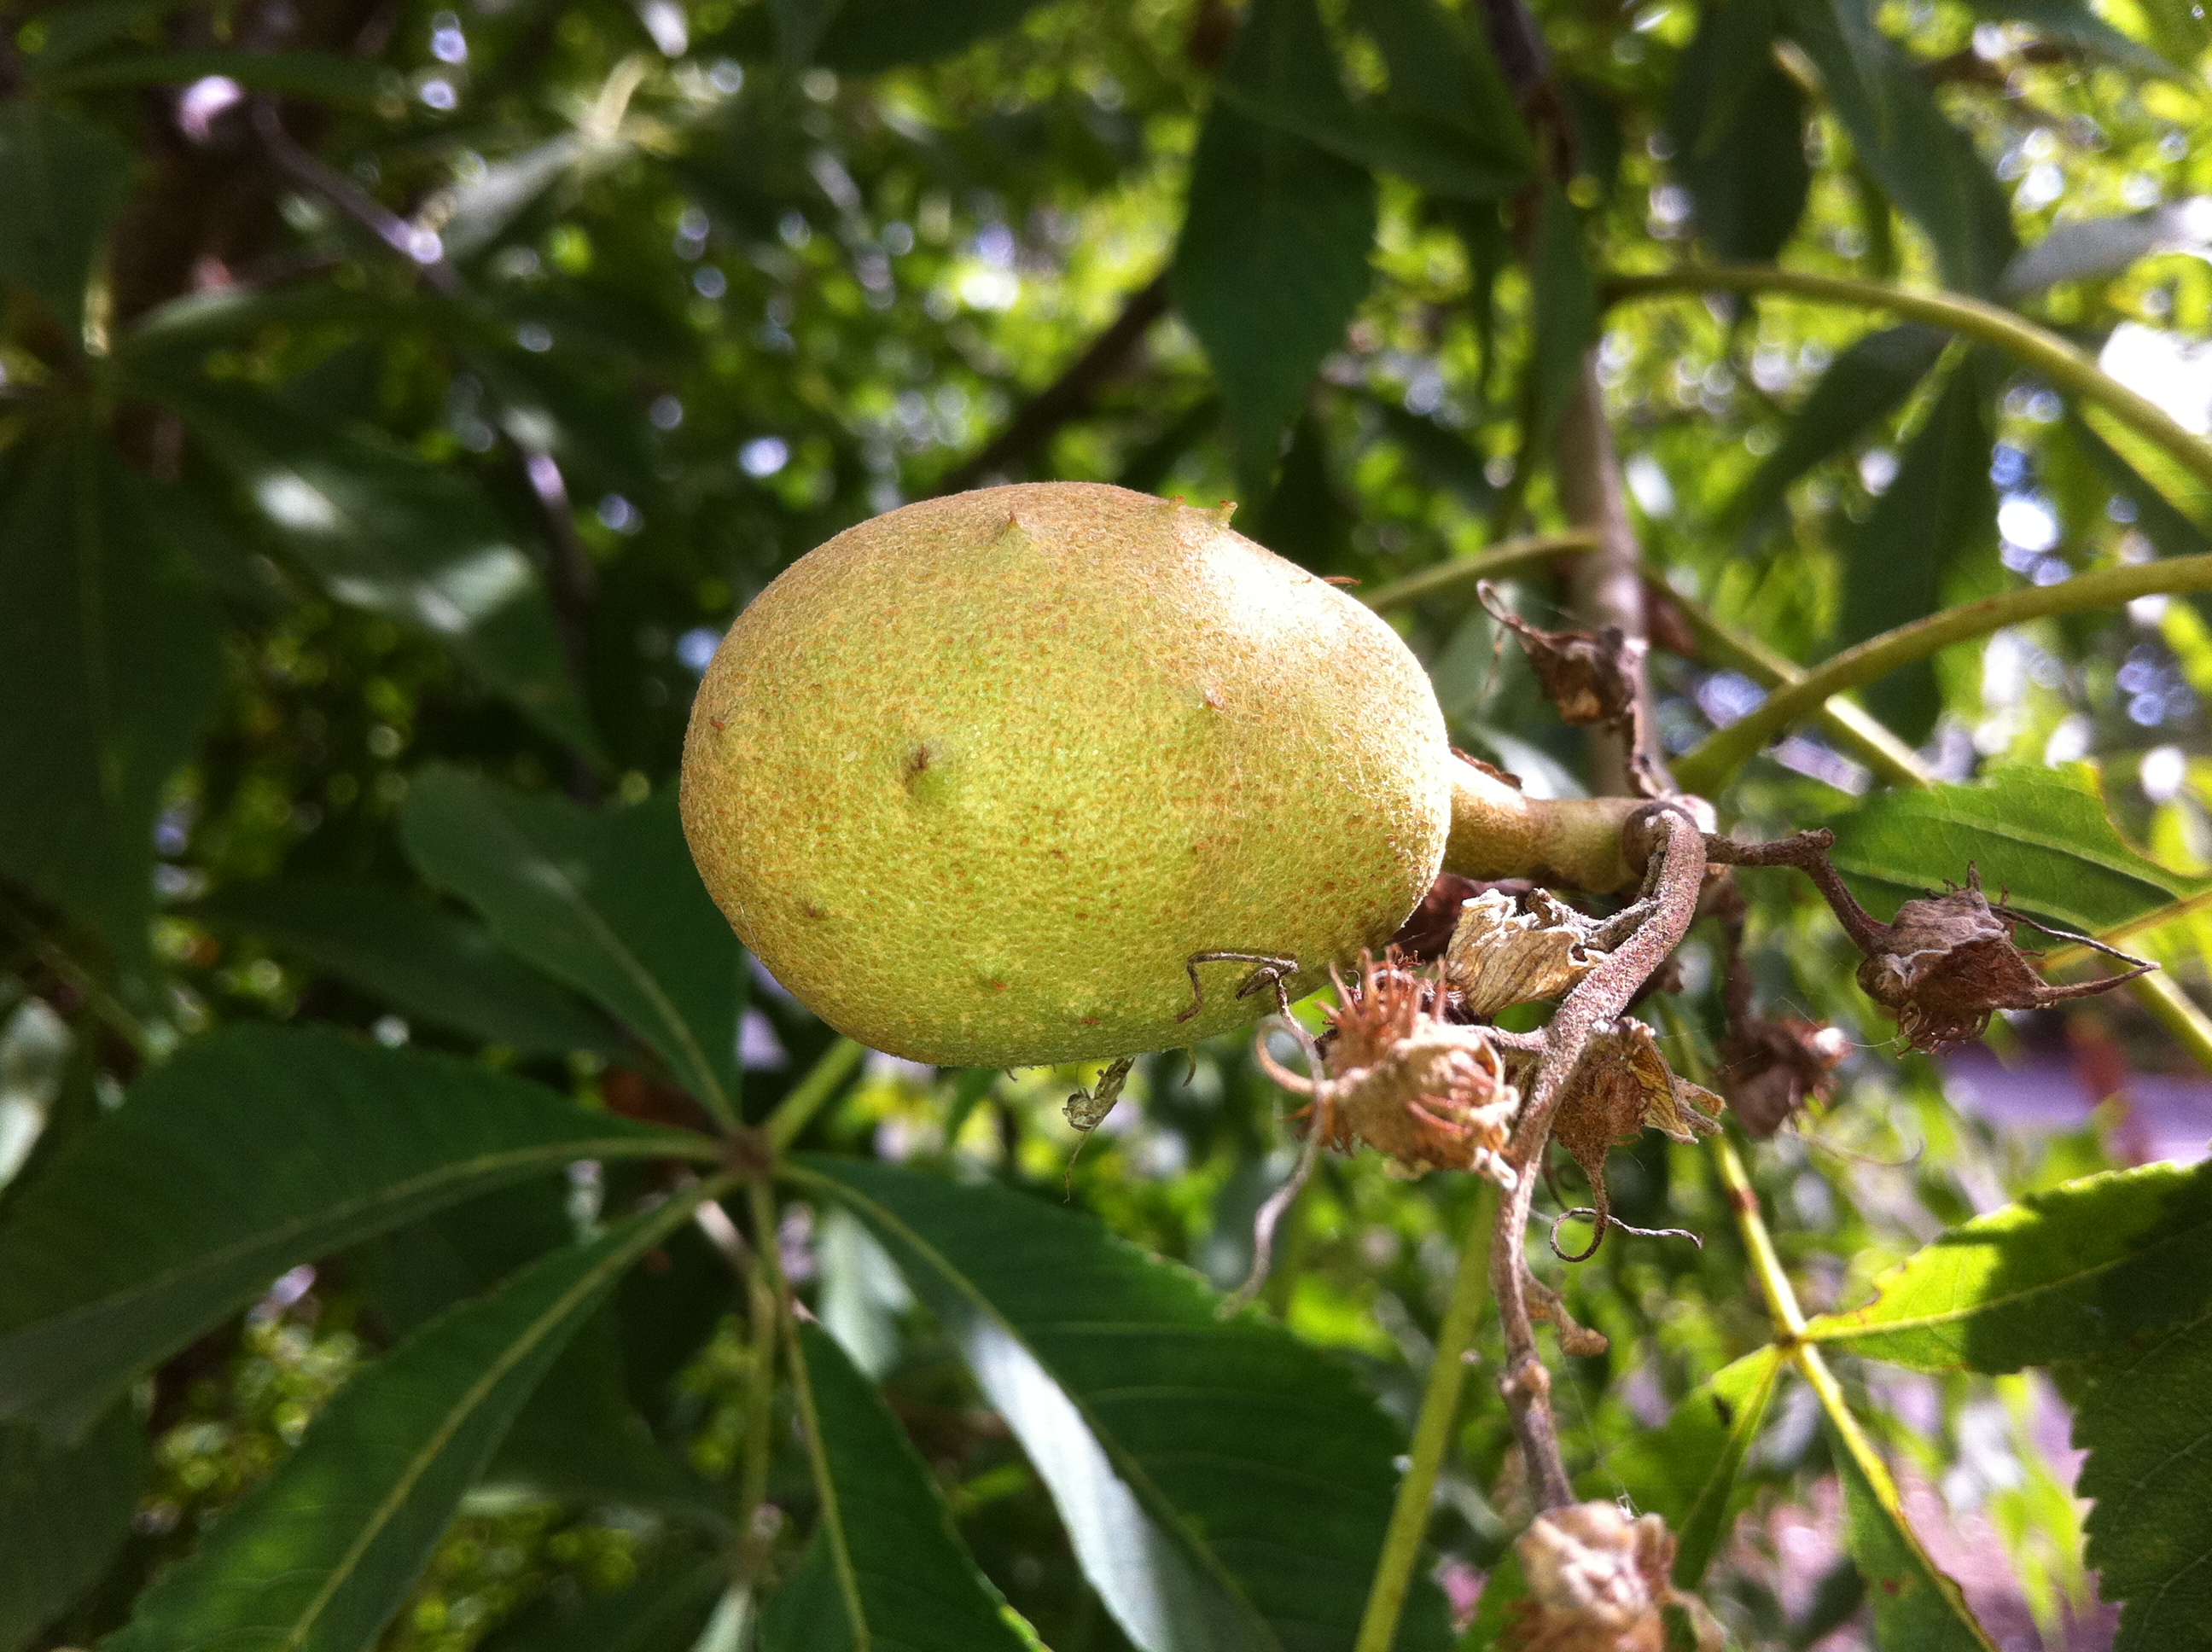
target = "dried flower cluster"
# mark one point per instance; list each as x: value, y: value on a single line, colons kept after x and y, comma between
x: 1770, y: 1068
x: 1429, y: 1093
x: 1598, y: 1582
x: 1590, y: 676
x: 1501, y: 954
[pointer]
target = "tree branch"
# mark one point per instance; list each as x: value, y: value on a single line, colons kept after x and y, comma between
x: 1040, y: 418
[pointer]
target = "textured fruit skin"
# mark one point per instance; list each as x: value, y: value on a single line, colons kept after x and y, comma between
x: 974, y: 778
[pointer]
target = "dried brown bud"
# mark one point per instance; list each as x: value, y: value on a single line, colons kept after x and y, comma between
x: 1505, y: 953
x: 1424, y: 1091
x: 1590, y: 676
x: 1769, y: 1069
x: 1948, y: 962
x: 1621, y: 1085
x: 1598, y: 1582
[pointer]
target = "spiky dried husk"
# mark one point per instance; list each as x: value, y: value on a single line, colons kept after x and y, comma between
x: 1771, y: 1069
x: 1598, y: 1582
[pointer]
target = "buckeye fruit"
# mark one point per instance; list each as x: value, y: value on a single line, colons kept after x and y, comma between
x: 978, y: 778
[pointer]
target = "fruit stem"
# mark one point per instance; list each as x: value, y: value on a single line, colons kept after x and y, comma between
x: 1498, y: 830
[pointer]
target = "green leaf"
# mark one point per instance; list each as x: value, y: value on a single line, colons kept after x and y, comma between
x: 63, y: 180
x: 2171, y: 532
x: 1915, y: 1604
x: 1938, y: 513
x: 1869, y: 381
x: 1283, y: 74
x: 663, y: 1611
x: 65, y: 1508
x: 1270, y: 264
x: 1928, y: 166
x: 899, y: 1569
x: 1738, y: 123
x: 434, y: 966
x: 385, y: 530
x: 607, y: 901
x: 2147, y: 1424
x: 1567, y: 311
x: 110, y: 667
x: 1689, y: 1469
x: 2040, y: 834
x: 242, y: 1157
x: 1223, y: 1486
x: 2073, y: 21
x: 2061, y: 1275
x: 1443, y: 459
x: 318, y: 75
x: 859, y: 37
x: 319, y: 1557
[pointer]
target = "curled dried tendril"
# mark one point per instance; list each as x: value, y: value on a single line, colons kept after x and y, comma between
x: 1598, y: 1582
x: 1425, y: 1092
x: 1947, y: 963
x: 1621, y: 1086
x: 1505, y: 951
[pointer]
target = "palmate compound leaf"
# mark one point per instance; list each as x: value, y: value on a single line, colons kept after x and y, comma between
x: 433, y: 966
x: 1916, y: 1606
x: 607, y: 901
x: 319, y: 1557
x: 662, y: 1610
x: 2147, y: 1424
x: 2067, y: 1274
x: 1689, y: 1470
x: 2041, y: 834
x: 240, y: 1157
x: 64, y: 179
x: 1224, y: 1487
x: 885, y: 1556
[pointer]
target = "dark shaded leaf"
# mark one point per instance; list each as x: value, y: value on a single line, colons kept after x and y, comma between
x: 2063, y: 1274
x: 1272, y: 262
x: 1284, y: 75
x: 607, y: 901
x: 65, y: 1508
x: 1305, y: 518
x: 1928, y: 166
x: 1915, y: 1604
x: 433, y: 965
x: 1689, y: 1469
x: 1567, y: 311
x: 2073, y: 21
x: 1938, y: 513
x: 261, y: 1149
x: 1223, y: 1486
x: 317, y: 75
x: 667, y: 1308
x: 387, y: 531
x: 1738, y: 124
x: 110, y: 666
x: 894, y: 1561
x: 2147, y: 1424
x: 1870, y: 381
x: 858, y: 37
x: 2042, y: 834
x: 663, y: 1611
x: 319, y: 1557
x: 1444, y: 458
x: 63, y: 180
x: 2170, y: 532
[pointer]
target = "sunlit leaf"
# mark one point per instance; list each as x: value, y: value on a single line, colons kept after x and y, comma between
x: 1915, y: 1604
x: 386, y: 532
x: 65, y: 1508
x: 433, y: 965
x: 2146, y: 1423
x: 2041, y: 834
x: 1689, y: 1469
x: 110, y: 667
x: 1223, y: 1486
x: 606, y: 900
x: 896, y: 1566
x: 2064, y: 1274
x: 261, y: 1149
x: 319, y: 1557
x: 63, y: 180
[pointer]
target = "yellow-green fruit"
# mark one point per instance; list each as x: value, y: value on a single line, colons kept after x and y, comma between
x: 974, y: 779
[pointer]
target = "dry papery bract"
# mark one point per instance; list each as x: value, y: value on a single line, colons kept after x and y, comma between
x: 1769, y: 1069
x: 1622, y: 1086
x: 1505, y: 951
x: 1598, y: 1582
x: 1426, y: 1092
x: 1591, y: 676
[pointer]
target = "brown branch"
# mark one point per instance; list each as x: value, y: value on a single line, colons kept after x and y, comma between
x: 1040, y: 418
x: 1672, y: 876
